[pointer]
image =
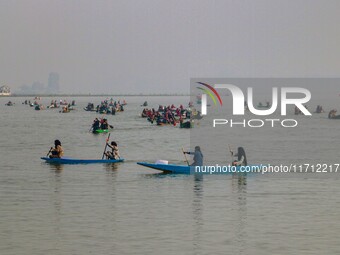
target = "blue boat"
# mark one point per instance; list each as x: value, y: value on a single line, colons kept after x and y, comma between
x: 80, y: 161
x: 185, y: 169
x: 176, y: 169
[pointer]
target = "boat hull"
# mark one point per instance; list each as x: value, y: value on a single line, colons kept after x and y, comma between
x: 99, y: 131
x: 89, y: 110
x: 177, y: 169
x: 80, y: 161
x: 337, y: 117
x: 184, y: 169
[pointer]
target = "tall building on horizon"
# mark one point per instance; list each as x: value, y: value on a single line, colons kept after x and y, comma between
x: 53, y: 83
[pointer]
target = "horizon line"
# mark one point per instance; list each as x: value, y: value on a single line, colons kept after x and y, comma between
x: 93, y: 95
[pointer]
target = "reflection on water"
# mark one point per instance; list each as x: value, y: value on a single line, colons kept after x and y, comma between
x: 56, y: 167
x: 56, y: 202
x: 111, y: 167
x: 129, y: 209
x: 160, y: 175
x: 197, y: 211
x: 239, y: 190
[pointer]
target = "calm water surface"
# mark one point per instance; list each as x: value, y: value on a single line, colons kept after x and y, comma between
x: 128, y: 209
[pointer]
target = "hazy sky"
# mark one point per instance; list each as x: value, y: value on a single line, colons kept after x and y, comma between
x: 157, y: 45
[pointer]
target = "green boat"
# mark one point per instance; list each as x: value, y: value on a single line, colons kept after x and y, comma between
x: 99, y: 131
x: 336, y: 117
x: 188, y: 124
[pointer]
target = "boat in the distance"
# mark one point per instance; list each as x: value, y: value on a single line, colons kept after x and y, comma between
x: 266, y: 106
x: 10, y: 103
x: 336, y: 117
x: 80, y: 161
x: 332, y: 115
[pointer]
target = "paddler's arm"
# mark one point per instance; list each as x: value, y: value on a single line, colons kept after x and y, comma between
x: 188, y: 152
x: 237, y: 163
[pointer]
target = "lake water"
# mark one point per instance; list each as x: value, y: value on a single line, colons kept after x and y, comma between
x: 129, y: 209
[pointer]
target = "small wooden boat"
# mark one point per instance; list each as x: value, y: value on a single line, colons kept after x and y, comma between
x: 332, y: 115
x: 265, y: 106
x: 187, y: 124
x: 185, y: 169
x: 90, y: 109
x: 99, y: 131
x: 80, y: 161
x: 336, y: 117
x: 176, y: 169
x: 10, y: 103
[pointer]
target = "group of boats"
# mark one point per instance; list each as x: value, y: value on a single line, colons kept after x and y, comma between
x: 108, y: 106
x: 164, y: 115
x: 319, y: 109
x: 166, y: 168
x: 163, y: 167
x: 63, y: 105
x: 171, y: 115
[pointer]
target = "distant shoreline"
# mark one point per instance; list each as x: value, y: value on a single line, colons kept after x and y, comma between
x: 94, y: 95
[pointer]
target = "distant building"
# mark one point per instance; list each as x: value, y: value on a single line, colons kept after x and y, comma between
x: 36, y: 88
x: 53, y: 83
x: 5, y: 91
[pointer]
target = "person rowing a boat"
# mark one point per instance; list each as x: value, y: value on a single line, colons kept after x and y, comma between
x: 319, y: 109
x: 114, y: 153
x: 104, y: 124
x: 95, y: 124
x: 241, y: 157
x: 57, y: 151
x: 332, y: 114
x: 198, y: 156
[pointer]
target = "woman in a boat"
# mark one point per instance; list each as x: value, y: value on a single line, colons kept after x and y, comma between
x: 332, y: 114
x: 114, y: 153
x: 241, y: 157
x: 57, y: 151
x: 95, y: 124
x: 319, y: 109
x: 198, y: 156
x: 65, y: 109
x: 104, y: 125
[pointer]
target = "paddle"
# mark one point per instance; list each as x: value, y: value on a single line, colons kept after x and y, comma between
x: 107, y: 140
x: 185, y: 156
x: 231, y: 154
x: 48, y: 153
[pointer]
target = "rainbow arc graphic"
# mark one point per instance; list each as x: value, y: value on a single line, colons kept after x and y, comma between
x: 211, y: 91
